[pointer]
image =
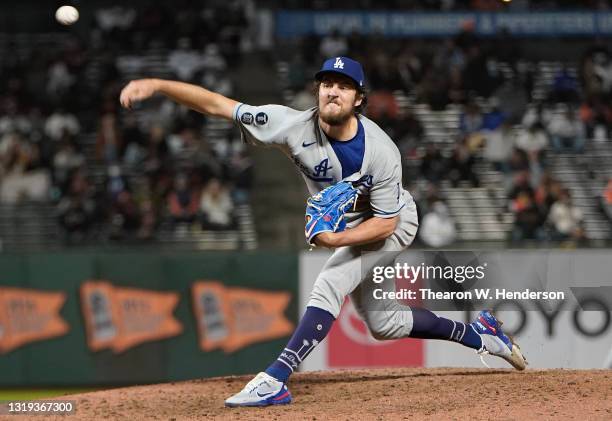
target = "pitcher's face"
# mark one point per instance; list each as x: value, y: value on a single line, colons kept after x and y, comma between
x: 337, y: 100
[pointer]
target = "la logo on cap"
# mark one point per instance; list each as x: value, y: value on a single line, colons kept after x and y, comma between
x: 339, y: 64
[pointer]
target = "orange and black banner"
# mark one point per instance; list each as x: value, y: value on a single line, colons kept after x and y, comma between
x: 28, y: 315
x: 120, y: 318
x: 231, y: 318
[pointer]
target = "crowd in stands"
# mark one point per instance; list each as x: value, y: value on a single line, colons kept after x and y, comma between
x: 139, y: 173
x: 145, y: 170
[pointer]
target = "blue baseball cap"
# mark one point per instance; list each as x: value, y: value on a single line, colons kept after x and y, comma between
x: 345, y: 66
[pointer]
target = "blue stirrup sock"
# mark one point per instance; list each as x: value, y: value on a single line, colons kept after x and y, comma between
x: 427, y: 325
x: 316, y: 323
x: 311, y: 330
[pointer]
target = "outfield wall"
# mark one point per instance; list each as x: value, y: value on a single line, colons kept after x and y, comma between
x: 124, y: 318
x: 77, y: 319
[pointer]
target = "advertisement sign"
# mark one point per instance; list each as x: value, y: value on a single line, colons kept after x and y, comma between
x: 418, y: 24
x: 121, y: 318
x: 556, y: 304
x: 28, y: 315
x: 231, y: 318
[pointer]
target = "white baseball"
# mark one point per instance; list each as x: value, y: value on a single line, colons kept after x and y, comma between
x: 67, y: 15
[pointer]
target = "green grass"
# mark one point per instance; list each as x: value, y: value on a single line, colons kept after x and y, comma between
x: 27, y: 394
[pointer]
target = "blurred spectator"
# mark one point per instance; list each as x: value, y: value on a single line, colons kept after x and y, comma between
x: 512, y: 100
x: 13, y: 120
x: 157, y: 150
x: 207, y: 163
x: 537, y: 114
x: 437, y: 228
x: 461, y: 166
x: 218, y: 81
x: 606, y: 200
x: 242, y: 176
x: 527, y: 218
x: 133, y: 144
x: 471, y: 119
x: 108, y: 140
x: 185, y: 61
x: 60, y: 122
x: 66, y: 160
x: 409, y: 67
x: 426, y: 197
x: 77, y: 209
x: 597, y: 119
x: 533, y: 141
x: 566, y: 219
x: 564, y: 87
x: 216, y: 207
x: 567, y: 132
x: 499, y: 144
x: 407, y: 131
x: 115, y: 182
x: 183, y: 201
x: 602, y: 68
x: 115, y: 17
x: 212, y: 60
x: 456, y: 89
x: 59, y: 80
x: 148, y: 205
x: 547, y: 193
x: 184, y: 143
x: 124, y: 217
x: 521, y: 184
x: 23, y: 177
x: 467, y: 38
x: 495, y: 117
x: 433, y: 164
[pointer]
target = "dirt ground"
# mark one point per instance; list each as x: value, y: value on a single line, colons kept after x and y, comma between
x: 390, y: 394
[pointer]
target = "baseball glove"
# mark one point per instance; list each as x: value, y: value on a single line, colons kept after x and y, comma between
x: 325, y: 210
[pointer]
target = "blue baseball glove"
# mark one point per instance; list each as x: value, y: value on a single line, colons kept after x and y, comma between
x: 325, y: 210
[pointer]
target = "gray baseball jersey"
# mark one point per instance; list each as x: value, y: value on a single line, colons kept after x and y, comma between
x: 322, y: 162
x: 373, y: 163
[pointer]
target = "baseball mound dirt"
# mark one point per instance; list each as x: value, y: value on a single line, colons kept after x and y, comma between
x: 394, y: 394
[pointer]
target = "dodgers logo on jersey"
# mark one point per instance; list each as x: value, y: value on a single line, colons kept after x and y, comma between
x: 322, y: 168
x: 339, y: 64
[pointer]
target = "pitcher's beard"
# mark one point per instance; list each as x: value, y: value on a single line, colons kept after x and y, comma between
x: 335, y: 119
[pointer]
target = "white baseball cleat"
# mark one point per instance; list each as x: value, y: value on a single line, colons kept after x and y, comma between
x: 263, y: 390
x: 496, y: 342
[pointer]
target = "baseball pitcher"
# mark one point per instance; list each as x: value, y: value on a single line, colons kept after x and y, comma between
x: 353, y: 171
